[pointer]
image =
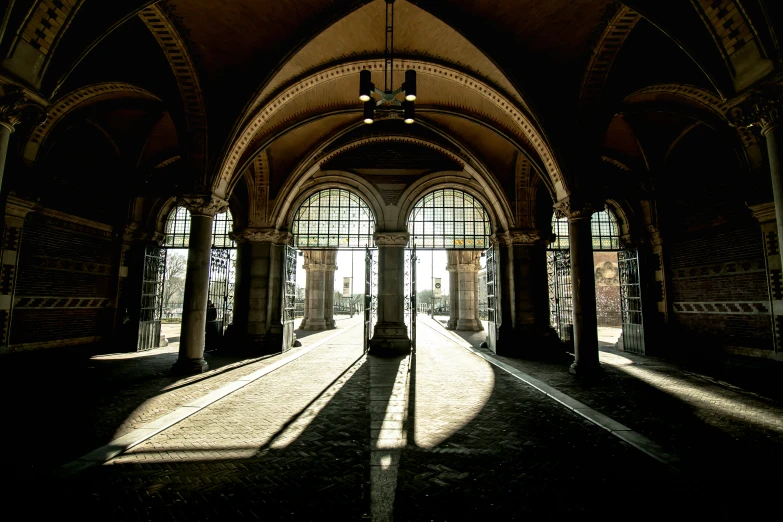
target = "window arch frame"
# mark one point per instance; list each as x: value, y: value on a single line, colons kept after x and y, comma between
x: 351, y: 232
x: 456, y: 240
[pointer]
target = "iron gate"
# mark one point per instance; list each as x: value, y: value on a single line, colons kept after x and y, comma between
x: 493, y: 300
x: 560, y: 304
x: 410, y: 295
x: 630, y: 301
x: 370, y: 294
x: 221, y: 278
x: 289, y: 297
x: 151, y: 298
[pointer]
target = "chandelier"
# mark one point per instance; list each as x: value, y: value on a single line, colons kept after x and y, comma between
x: 387, y: 96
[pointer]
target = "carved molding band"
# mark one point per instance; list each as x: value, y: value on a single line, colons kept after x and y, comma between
x: 199, y: 205
x: 529, y: 236
x: 464, y: 267
x: 729, y: 308
x: 391, y: 238
x: 261, y: 235
x: 319, y: 267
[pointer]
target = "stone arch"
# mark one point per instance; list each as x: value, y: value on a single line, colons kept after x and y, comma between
x: 286, y: 208
x: 524, y: 123
x: 178, y: 57
x: 76, y: 100
x: 436, y: 181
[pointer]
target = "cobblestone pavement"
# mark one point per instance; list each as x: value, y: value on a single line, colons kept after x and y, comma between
x: 90, y: 401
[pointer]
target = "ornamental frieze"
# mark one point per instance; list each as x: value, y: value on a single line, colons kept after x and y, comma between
x: 261, y: 235
x: 203, y: 205
x: 391, y: 238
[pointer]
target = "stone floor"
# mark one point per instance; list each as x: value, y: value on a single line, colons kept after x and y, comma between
x: 451, y: 432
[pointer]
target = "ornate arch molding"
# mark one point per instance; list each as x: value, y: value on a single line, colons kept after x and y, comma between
x: 524, y: 122
x: 285, y: 208
x: 390, y: 139
x: 182, y: 66
x: 76, y: 100
x: 705, y: 99
x: 606, y: 49
x: 492, y: 202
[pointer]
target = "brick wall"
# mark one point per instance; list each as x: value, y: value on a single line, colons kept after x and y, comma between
x: 66, y: 282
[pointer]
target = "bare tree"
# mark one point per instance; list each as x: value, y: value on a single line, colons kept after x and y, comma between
x: 176, y: 265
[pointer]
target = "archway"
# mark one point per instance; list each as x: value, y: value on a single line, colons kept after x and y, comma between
x: 452, y: 228
x: 617, y: 284
x: 332, y: 228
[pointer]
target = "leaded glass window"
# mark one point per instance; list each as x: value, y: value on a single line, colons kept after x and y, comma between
x: 178, y: 229
x: 333, y: 218
x: 606, y: 235
x: 450, y: 219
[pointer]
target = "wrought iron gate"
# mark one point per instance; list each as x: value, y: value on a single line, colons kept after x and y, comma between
x: 221, y: 283
x: 560, y: 304
x: 289, y: 297
x: 493, y: 300
x: 370, y: 294
x: 151, y: 298
x: 410, y: 295
x: 630, y: 301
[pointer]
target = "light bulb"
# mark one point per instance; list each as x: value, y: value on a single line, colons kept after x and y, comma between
x: 365, y: 97
x: 409, y: 120
x: 410, y: 97
x: 368, y: 120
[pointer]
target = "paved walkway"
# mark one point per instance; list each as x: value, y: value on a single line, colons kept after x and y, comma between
x: 448, y: 433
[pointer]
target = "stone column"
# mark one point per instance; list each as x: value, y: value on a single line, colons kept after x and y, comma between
x: 15, y: 107
x: 319, y: 268
x: 466, y: 263
x: 390, y: 337
x: 451, y: 267
x: 765, y: 214
x: 580, y: 237
x: 16, y: 210
x: 194, y: 312
x: 258, y: 295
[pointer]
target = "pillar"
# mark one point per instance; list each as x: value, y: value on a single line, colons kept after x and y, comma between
x: 580, y: 237
x: 319, y: 268
x: 194, y: 313
x: 390, y: 337
x: 258, y: 292
x: 451, y: 268
x: 466, y: 267
x: 16, y: 210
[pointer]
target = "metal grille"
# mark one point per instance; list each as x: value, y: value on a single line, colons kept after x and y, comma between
x: 493, y: 300
x: 450, y: 219
x: 370, y: 294
x: 630, y: 301
x: 178, y: 228
x: 560, y: 301
x: 221, y: 227
x: 606, y: 235
x: 334, y: 218
x: 221, y: 282
x: 289, y: 286
x: 410, y: 294
x: 604, y: 231
x: 151, y: 298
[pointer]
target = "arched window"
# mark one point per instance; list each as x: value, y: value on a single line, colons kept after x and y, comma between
x: 333, y: 218
x: 606, y: 235
x: 178, y: 229
x: 450, y: 219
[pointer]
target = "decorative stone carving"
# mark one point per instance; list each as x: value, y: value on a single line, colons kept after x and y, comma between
x: 574, y: 208
x: 761, y: 109
x: 16, y: 107
x: 391, y: 238
x: 261, y: 235
x: 524, y: 236
x: 203, y: 205
x: 319, y: 267
x: 654, y: 235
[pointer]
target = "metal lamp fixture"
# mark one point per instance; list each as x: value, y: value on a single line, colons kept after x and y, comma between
x: 387, y: 96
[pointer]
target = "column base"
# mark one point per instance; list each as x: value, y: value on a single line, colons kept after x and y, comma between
x: 189, y: 366
x: 451, y: 324
x: 531, y: 342
x: 330, y: 324
x: 583, y: 370
x: 469, y: 325
x: 390, y: 340
x: 314, y: 326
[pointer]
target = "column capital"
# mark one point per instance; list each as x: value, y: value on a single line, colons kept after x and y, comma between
x: 261, y: 235
x: 17, y: 106
x: 203, y: 204
x: 763, y: 212
x: 575, y: 208
x: 17, y: 207
x: 391, y: 238
x: 762, y: 108
x: 522, y: 236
